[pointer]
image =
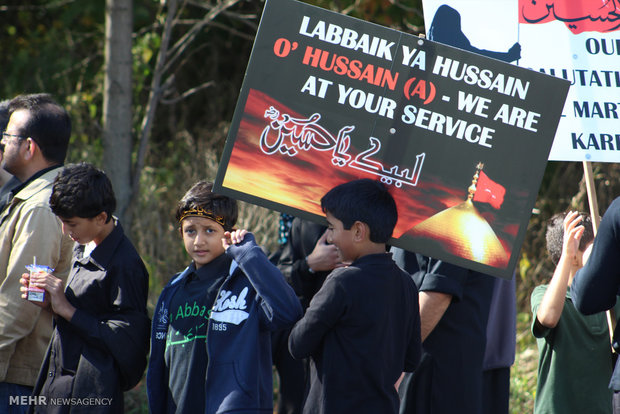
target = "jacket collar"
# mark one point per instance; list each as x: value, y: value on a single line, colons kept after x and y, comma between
x: 103, y: 253
x: 38, y: 184
x: 191, y: 268
x: 30, y: 190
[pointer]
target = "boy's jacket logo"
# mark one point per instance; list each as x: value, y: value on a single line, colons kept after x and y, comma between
x: 230, y: 308
x: 162, y: 318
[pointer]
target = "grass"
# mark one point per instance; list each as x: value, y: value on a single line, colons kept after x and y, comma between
x: 135, y: 399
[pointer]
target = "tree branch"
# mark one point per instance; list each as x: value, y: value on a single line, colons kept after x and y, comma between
x: 166, y: 57
x: 187, y: 93
x: 183, y: 43
x: 154, y: 96
x: 30, y: 7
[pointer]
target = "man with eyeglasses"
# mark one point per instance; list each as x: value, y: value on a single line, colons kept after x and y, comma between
x: 35, y: 145
x: 7, y: 181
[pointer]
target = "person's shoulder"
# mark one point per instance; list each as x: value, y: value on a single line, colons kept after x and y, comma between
x: 348, y: 271
x: 540, y: 288
x: 343, y: 276
x: 128, y: 250
x: 40, y: 188
x: 33, y: 206
x: 402, y: 281
x: 613, y: 213
x: 170, y: 287
x: 405, y: 277
x: 121, y: 250
x: 538, y: 293
x: 616, y: 202
x: 178, y: 277
x: 614, y: 209
x: 36, y: 196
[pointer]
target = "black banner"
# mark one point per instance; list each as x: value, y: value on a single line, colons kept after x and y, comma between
x: 460, y: 139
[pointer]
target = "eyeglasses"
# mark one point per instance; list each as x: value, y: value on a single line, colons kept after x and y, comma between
x: 6, y: 136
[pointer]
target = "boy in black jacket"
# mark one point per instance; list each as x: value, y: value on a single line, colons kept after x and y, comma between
x: 211, y: 335
x: 362, y: 328
x: 100, y: 341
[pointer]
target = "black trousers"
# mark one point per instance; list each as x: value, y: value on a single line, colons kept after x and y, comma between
x: 496, y: 391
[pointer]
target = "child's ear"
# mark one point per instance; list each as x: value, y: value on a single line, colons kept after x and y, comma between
x: 360, y: 231
x: 101, y: 218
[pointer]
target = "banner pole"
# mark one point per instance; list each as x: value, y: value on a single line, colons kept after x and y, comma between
x: 596, y: 219
x: 592, y: 201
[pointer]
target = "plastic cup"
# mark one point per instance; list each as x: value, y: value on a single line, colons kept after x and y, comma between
x: 37, y: 294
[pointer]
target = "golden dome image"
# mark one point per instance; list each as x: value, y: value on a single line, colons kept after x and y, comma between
x: 462, y: 231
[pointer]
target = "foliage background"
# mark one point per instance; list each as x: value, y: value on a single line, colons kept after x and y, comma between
x: 57, y: 46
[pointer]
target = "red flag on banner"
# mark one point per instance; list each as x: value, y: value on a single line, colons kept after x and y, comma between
x: 488, y: 191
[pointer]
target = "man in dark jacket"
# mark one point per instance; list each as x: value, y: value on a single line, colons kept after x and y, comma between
x: 454, y: 310
x: 596, y: 285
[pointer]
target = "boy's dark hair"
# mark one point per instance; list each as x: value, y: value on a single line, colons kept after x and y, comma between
x: 81, y: 190
x: 555, y: 234
x: 49, y: 125
x: 367, y: 201
x: 201, y: 201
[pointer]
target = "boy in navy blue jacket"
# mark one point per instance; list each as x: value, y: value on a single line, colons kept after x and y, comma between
x: 362, y: 328
x: 210, y: 340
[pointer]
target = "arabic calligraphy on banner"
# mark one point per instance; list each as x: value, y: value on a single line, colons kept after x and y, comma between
x: 461, y: 140
x: 308, y: 134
